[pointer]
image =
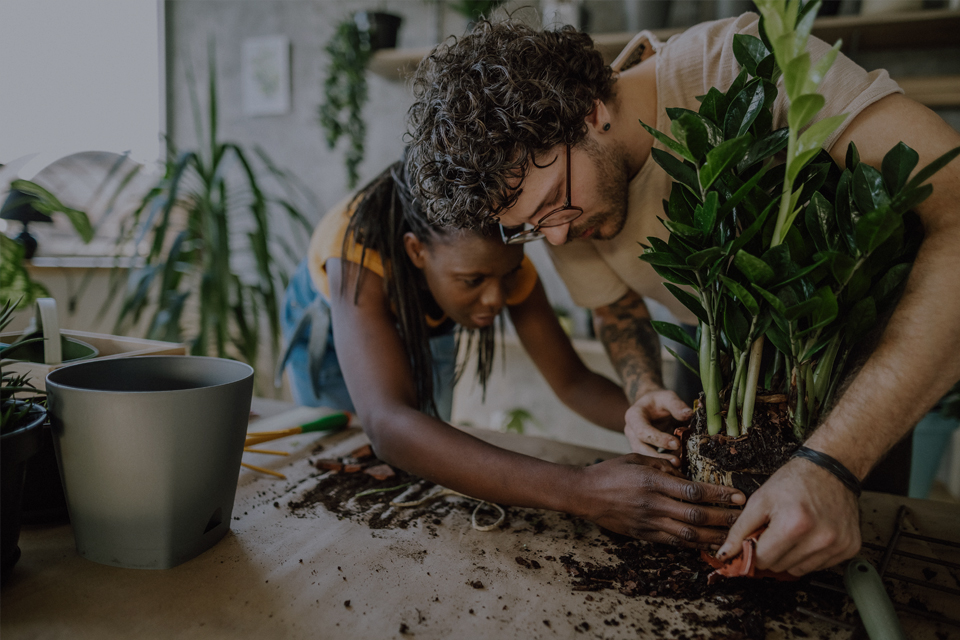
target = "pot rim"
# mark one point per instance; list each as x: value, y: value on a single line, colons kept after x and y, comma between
x: 41, y: 417
x: 51, y: 381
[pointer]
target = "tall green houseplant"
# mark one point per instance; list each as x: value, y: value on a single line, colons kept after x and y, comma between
x: 787, y: 266
x: 209, y: 271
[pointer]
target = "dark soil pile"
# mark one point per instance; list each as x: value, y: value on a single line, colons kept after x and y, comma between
x: 646, y: 570
x: 636, y: 570
x: 764, y: 448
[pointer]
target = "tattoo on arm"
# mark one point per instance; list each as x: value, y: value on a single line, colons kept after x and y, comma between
x: 631, y: 342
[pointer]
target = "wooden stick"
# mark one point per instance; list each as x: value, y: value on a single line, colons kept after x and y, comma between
x: 262, y: 470
x: 267, y: 451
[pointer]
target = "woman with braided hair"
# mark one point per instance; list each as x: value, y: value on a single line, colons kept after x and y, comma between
x: 372, y: 320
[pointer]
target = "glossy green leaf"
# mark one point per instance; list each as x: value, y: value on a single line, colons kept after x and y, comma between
x: 678, y: 208
x: 708, y: 256
x: 818, y: 218
x: 690, y: 301
x: 890, y: 282
x: 736, y: 325
x: 676, y: 276
x: 691, y: 131
x: 682, y: 230
x: 742, y: 295
x: 676, y: 169
x: 670, y: 143
x: 663, y: 259
x: 868, y: 190
x: 748, y: 233
x: 714, y: 106
x: 749, y: 51
x: 743, y: 109
x: 779, y: 339
x: 828, y: 308
x: 705, y: 215
x: 845, y: 211
x: 721, y: 158
x: 756, y: 270
x: 841, y: 264
x: 908, y: 199
x: 811, y: 141
x: 897, y: 165
x: 764, y: 148
x: 928, y: 171
x: 795, y: 75
x: 803, y: 109
x: 874, y: 227
x: 772, y: 300
x: 861, y: 319
x: 819, y: 69
x: 768, y: 69
x: 804, y: 309
x: 673, y: 332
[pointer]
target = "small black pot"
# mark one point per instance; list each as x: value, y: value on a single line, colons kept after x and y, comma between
x: 381, y: 27
x: 16, y: 448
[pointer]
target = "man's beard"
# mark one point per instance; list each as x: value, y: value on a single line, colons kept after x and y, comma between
x: 611, y: 188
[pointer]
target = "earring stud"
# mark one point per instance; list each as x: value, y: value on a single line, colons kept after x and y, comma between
x: 606, y: 126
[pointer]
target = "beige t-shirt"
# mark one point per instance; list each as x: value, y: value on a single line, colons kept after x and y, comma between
x: 600, y: 272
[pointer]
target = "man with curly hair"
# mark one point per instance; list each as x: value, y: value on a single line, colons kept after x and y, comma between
x: 526, y: 127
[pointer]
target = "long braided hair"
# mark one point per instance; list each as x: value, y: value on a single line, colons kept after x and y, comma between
x: 385, y: 211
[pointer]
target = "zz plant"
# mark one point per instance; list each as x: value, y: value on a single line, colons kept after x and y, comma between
x: 803, y: 254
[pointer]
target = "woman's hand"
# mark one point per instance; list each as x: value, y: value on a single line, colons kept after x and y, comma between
x: 650, y: 423
x: 641, y: 497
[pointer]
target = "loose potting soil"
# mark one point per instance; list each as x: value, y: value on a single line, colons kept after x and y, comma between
x: 636, y: 570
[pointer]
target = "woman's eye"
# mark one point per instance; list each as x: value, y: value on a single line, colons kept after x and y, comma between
x: 473, y: 282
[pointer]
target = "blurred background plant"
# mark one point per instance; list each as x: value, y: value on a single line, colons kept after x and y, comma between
x: 16, y: 285
x: 213, y: 267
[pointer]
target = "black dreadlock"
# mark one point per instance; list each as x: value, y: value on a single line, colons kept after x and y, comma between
x: 385, y: 211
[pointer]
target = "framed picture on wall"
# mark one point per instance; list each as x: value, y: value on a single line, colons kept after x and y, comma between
x: 265, y: 76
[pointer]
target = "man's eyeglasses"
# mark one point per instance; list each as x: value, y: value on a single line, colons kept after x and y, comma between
x: 559, y: 216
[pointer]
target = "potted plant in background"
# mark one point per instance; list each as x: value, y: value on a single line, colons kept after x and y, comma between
x: 792, y: 267
x: 22, y: 415
x: 17, y: 285
x: 210, y: 270
x: 354, y: 41
x: 474, y: 10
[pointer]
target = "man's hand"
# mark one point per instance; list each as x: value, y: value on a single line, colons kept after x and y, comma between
x: 641, y: 497
x: 812, y: 519
x: 650, y: 423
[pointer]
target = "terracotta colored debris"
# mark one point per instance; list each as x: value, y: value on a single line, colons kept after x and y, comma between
x: 352, y: 468
x: 742, y: 565
x: 328, y: 465
x: 362, y: 453
x: 381, y: 471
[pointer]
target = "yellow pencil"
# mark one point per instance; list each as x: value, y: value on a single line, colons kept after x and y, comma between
x: 262, y: 470
x: 267, y: 451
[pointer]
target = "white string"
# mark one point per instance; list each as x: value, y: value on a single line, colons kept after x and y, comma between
x: 473, y: 516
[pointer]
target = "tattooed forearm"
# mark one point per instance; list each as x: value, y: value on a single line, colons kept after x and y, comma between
x: 632, y: 344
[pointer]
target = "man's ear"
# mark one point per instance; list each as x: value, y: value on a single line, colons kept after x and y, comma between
x: 415, y: 249
x: 599, y: 116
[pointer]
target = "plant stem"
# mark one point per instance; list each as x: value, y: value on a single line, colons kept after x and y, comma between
x: 753, y: 376
x: 708, y: 365
x: 733, y: 424
x: 800, y: 417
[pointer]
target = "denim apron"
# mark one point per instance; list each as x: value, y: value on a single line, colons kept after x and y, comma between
x: 310, y: 356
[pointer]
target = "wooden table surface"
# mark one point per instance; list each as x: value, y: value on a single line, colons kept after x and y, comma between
x: 280, y: 574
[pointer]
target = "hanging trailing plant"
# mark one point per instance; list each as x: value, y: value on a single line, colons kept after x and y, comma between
x: 790, y: 264
x: 345, y: 93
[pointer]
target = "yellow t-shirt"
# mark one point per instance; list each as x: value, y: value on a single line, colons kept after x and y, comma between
x: 327, y: 242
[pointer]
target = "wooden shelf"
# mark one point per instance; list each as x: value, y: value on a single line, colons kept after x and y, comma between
x: 904, y: 30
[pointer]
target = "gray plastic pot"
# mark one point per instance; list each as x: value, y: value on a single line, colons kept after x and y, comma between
x: 149, y: 451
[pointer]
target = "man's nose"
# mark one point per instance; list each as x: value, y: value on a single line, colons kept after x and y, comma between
x: 556, y: 235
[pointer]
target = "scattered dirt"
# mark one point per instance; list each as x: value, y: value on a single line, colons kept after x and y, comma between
x: 638, y: 570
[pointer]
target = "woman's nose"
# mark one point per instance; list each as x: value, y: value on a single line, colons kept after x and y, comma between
x: 493, y: 297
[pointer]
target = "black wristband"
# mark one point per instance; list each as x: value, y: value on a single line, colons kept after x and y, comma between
x: 830, y: 464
